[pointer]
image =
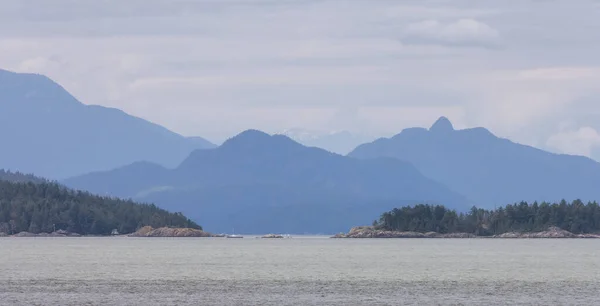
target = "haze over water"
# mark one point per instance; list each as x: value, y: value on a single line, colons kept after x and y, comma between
x: 298, y: 271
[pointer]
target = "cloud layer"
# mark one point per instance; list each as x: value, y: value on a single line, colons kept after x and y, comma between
x: 462, y: 33
x: 213, y: 68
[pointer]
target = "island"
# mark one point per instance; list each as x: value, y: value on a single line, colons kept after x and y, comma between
x: 521, y: 220
x: 272, y: 236
x: 148, y: 231
x: 35, y: 207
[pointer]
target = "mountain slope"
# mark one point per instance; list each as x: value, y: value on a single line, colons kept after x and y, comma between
x: 487, y: 169
x: 258, y: 183
x: 46, y: 131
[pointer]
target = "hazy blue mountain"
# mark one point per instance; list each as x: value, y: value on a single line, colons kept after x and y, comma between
x: 487, y: 169
x: 257, y: 183
x: 46, y: 131
x: 341, y: 142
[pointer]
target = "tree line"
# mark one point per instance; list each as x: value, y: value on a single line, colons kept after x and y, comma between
x: 45, y: 206
x: 20, y: 177
x: 576, y: 217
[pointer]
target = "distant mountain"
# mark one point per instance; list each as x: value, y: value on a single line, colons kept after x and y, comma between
x: 341, y: 142
x: 257, y: 183
x: 46, y: 131
x: 487, y: 169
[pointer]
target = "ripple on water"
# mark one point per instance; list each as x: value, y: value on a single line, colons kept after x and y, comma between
x: 86, y: 271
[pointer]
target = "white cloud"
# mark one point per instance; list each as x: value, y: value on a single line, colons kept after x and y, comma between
x: 463, y: 32
x: 515, y: 102
x: 581, y: 141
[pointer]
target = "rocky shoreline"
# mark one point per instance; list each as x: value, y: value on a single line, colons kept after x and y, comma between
x: 59, y: 233
x: 371, y: 232
x: 148, y: 231
x: 272, y: 236
x: 145, y: 231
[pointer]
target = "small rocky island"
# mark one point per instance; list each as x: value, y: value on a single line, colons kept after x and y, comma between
x: 58, y: 233
x: 272, y: 236
x: 372, y: 232
x: 148, y: 231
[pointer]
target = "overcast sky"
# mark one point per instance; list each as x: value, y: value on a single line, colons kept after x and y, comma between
x: 527, y: 70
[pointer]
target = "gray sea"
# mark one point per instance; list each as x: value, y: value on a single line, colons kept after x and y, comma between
x: 298, y: 271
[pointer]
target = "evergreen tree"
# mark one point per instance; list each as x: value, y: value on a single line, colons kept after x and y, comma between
x: 575, y: 217
x: 35, y: 205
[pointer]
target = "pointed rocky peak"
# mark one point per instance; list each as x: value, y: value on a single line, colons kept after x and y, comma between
x: 442, y: 125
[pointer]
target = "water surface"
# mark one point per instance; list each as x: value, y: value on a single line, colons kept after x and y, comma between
x: 298, y: 271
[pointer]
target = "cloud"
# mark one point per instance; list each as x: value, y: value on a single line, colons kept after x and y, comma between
x: 220, y: 66
x: 581, y: 141
x: 463, y: 32
x: 40, y: 64
x: 560, y: 73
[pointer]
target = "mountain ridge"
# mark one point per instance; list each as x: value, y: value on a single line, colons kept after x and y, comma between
x: 488, y: 169
x: 255, y: 176
x: 36, y: 112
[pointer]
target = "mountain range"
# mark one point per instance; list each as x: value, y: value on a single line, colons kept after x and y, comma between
x: 47, y: 131
x: 258, y: 183
x: 489, y: 170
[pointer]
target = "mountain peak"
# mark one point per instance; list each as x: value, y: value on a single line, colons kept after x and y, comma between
x: 257, y: 139
x: 250, y: 135
x: 50, y: 110
x: 442, y: 125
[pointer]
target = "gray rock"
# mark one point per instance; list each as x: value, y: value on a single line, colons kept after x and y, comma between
x: 371, y: 232
x: 551, y: 232
x: 148, y: 231
x: 270, y: 236
x: 25, y: 234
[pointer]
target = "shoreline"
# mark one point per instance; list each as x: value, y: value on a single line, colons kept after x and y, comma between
x: 369, y: 232
x: 144, y: 232
x: 360, y: 232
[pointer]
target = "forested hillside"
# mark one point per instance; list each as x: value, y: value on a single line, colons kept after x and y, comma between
x: 575, y: 217
x: 45, y: 207
x: 20, y: 177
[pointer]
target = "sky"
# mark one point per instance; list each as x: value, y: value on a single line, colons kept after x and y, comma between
x: 527, y: 70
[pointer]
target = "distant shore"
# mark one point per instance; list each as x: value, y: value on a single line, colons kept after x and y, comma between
x: 371, y: 232
x: 146, y: 231
x: 356, y: 232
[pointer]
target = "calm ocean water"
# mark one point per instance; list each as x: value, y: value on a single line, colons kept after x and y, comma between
x: 298, y: 271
